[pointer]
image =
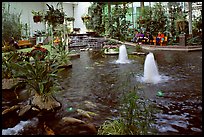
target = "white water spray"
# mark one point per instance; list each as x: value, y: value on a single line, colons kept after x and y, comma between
x: 123, y: 56
x: 151, y: 74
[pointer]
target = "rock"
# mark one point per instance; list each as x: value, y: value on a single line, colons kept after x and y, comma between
x: 10, y: 83
x: 24, y: 110
x: 89, y: 104
x: 86, y: 113
x: 10, y: 109
x: 72, y: 120
x: 49, y: 102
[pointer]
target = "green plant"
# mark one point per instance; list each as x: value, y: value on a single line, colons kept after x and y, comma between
x: 93, y: 20
x: 136, y: 117
x: 117, y: 25
x: 7, y: 68
x: 7, y: 47
x: 60, y: 55
x: 11, y: 24
x: 138, y: 48
x: 40, y: 78
x: 112, y: 42
x: 159, y: 19
x: 37, y: 13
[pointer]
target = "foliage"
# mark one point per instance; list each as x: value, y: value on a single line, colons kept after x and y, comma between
x: 136, y: 117
x: 194, y: 40
x: 112, y: 42
x: 197, y: 25
x: 175, y: 14
x: 39, y: 76
x: 7, y: 47
x: 7, y: 69
x: 39, y: 53
x: 138, y: 48
x: 118, y: 25
x: 37, y: 13
x: 112, y: 127
x: 60, y: 55
x: 93, y: 20
x: 11, y: 25
x: 181, y: 22
x: 158, y: 19
x: 147, y: 18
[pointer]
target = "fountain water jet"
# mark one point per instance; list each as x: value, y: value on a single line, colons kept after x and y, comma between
x: 151, y: 74
x: 123, y: 56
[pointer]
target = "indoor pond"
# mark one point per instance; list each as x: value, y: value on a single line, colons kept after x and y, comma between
x: 97, y: 82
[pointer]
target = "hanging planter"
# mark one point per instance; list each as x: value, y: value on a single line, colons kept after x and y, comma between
x: 70, y: 18
x: 37, y: 19
x: 37, y: 16
x: 54, y: 16
x: 86, y: 18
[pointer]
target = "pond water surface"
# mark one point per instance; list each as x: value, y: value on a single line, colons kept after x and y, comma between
x: 96, y: 78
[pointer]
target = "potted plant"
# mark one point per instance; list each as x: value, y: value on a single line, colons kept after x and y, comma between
x: 37, y: 16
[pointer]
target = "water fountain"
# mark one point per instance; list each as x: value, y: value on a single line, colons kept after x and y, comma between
x: 151, y: 74
x: 123, y: 56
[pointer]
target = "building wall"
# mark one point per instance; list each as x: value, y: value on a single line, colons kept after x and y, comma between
x: 27, y: 16
x: 79, y: 10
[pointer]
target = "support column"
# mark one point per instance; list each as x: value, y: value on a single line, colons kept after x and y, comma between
x: 190, y: 17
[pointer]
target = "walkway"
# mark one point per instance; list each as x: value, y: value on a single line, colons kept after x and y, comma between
x: 169, y: 47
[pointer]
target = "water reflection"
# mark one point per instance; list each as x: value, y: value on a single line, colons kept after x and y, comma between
x: 93, y: 78
x: 99, y: 80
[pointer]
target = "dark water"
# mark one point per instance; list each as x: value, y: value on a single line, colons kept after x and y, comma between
x: 96, y: 78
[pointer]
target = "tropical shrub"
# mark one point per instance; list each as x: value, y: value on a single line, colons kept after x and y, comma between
x: 41, y: 80
x: 11, y: 24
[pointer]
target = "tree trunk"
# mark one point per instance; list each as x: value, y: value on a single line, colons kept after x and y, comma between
x: 45, y: 102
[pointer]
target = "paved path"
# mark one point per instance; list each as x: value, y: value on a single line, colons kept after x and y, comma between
x: 168, y: 47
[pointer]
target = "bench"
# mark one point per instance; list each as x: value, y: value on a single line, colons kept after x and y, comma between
x: 26, y: 43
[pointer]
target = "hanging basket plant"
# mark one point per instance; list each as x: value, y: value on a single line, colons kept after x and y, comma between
x: 70, y: 18
x: 37, y: 19
x: 86, y: 18
x: 54, y: 16
x: 37, y: 16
